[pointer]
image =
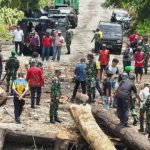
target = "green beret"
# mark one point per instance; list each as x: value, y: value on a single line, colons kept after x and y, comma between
x: 128, y: 68
x: 13, y: 52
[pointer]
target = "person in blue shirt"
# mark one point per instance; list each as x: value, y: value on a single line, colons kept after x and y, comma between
x: 20, y: 88
x: 80, y: 73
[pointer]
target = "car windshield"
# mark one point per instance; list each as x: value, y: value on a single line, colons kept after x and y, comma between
x: 110, y: 29
x: 122, y: 14
x: 53, y: 11
x: 65, y: 11
x: 60, y: 21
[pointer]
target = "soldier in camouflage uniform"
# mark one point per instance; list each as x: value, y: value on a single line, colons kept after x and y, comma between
x: 92, y: 73
x: 69, y: 35
x: 146, y: 50
x: 55, y: 95
x: 146, y: 109
x: 125, y: 75
x: 11, y: 68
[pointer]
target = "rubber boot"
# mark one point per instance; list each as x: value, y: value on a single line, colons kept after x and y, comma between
x: 52, y: 119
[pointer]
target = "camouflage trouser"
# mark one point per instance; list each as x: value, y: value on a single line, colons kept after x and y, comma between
x: 10, y: 77
x: 68, y: 47
x: 54, y: 107
x: 142, y: 112
x: 148, y: 122
x: 91, y: 89
x: 132, y: 107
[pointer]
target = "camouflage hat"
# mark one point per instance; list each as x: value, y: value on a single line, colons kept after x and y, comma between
x: 58, y: 70
x: 13, y: 52
x: 132, y: 77
x: 128, y: 68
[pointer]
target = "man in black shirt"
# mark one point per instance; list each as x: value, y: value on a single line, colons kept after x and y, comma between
x: 123, y: 95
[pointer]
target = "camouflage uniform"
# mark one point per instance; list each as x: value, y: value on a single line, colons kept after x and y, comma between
x: 37, y: 62
x: 11, y: 68
x: 132, y: 108
x: 69, y: 35
x: 55, y: 94
x: 146, y: 109
x: 146, y: 50
x: 91, y: 80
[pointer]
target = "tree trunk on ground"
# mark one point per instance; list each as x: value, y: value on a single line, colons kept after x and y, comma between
x: 61, y: 142
x: 132, y: 138
x: 89, y: 128
x: 3, y: 96
x: 2, y: 138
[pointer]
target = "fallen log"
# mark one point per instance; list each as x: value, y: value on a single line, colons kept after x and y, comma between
x: 2, y: 138
x: 132, y: 138
x: 89, y: 129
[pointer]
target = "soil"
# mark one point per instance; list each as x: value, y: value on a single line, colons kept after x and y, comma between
x: 37, y: 120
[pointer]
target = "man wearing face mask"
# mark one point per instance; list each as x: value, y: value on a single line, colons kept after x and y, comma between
x: 139, y: 63
x: 35, y: 41
x: 59, y: 40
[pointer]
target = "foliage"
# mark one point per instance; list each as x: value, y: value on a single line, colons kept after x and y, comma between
x: 4, y: 32
x: 22, y: 4
x: 10, y: 16
x: 139, y: 8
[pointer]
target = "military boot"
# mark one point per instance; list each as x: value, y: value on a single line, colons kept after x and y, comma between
x: 52, y: 119
x: 57, y: 119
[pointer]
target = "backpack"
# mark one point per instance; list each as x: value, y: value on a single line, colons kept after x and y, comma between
x: 12, y: 64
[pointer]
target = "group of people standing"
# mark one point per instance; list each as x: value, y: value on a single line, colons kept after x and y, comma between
x: 50, y: 44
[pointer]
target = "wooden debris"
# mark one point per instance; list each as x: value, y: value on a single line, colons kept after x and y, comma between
x: 89, y: 129
x: 132, y: 138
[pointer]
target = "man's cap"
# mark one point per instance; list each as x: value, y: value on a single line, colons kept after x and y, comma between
x: 58, y: 70
x: 132, y: 77
x: 83, y: 60
x: 104, y: 45
x: 59, y: 32
x: 13, y: 52
x: 128, y: 68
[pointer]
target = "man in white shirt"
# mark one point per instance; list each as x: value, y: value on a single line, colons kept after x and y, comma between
x: 18, y: 37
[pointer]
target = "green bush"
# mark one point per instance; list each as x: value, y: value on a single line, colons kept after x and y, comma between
x: 10, y: 16
x: 5, y: 34
x: 143, y: 27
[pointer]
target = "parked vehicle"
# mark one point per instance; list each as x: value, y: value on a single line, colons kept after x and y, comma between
x: 122, y: 17
x: 112, y: 36
x: 70, y: 12
x: 61, y: 22
x: 35, y: 13
x: 71, y: 3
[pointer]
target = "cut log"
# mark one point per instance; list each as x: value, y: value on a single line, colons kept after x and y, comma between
x: 62, y: 141
x: 3, y: 96
x: 2, y: 138
x: 132, y: 138
x: 89, y: 129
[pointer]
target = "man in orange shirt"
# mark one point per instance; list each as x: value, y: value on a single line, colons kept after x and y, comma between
x: 104, y: 56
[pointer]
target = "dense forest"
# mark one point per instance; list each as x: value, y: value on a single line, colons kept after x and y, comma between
x: 140, y: 9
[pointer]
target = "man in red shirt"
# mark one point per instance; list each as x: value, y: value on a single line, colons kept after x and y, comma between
x: 104, y: 59
x: 47, y: 43
x: 139, y: 62
x: 36, y: 81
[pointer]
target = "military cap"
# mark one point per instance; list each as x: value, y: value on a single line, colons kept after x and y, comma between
x: 58, y: 70
x: 128, y: 68
x: 13, y: 52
